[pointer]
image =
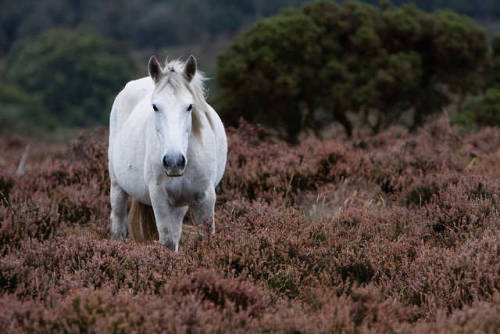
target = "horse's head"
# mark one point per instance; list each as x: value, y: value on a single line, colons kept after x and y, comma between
x: 173, y: 103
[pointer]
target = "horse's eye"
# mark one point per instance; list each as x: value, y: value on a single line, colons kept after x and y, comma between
x: 154, y: 107
x: 190, y: 107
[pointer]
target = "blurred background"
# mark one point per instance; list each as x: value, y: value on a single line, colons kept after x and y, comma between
x: 297, y: 67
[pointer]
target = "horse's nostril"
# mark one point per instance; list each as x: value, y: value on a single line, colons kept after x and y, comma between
x: 165, y: 162
x: 182, y: 161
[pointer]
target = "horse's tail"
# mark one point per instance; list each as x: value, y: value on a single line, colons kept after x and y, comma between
x: 141, y: 222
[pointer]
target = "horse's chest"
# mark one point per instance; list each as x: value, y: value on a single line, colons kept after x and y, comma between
x: 187, y: 192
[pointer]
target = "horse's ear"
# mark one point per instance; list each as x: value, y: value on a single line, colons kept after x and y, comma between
x: 154, y: 69
x: 190, y: 68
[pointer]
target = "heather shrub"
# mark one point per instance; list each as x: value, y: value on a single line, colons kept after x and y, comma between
x: 269, y: 168
x: 223, y: 293
x: 6, y: 184
x: 21, y: 222
x: 396, y: 232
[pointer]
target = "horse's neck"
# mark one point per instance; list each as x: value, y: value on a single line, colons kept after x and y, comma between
x: 194, y: 145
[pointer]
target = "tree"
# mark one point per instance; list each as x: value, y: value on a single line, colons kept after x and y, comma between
x: 267, y: 69
x: 75, y: 73
x: 350, y: 57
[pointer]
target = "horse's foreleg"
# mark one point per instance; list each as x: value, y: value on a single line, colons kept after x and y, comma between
x: 203, y: 211
x: 168, y: 219
x: 118, y: 212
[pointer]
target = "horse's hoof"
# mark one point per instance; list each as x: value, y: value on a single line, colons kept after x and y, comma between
x: 118, y: 235
x: 169, y: 244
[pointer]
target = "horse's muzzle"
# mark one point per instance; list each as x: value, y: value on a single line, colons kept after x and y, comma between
x: 174, y: 164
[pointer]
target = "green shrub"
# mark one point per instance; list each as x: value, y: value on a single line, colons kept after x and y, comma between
x: 76, y: 73
x: 23, y: 113
x: 482, y: 111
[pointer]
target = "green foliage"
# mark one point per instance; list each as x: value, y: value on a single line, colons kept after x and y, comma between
x: 494, y: 72
x: 458, y: 45
x: 76, y: 73
x: 279, y: 56
x: 299, y: 68
x: 482, y: 111
x: 22, y: 113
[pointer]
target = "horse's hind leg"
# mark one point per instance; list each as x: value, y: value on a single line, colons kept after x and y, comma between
x: 118, y: 211
x: 203, y: 211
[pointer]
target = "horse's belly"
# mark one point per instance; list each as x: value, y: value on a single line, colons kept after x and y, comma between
x: 133, y: 185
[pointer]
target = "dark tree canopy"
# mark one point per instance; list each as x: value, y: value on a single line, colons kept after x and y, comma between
x: 268, y: 67
x: 76, y: 73
x: 301, y: 67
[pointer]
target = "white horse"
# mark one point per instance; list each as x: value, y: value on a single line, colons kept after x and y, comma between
x: 167, y: 150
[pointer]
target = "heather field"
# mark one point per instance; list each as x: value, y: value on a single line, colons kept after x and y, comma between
x: 393, y: 233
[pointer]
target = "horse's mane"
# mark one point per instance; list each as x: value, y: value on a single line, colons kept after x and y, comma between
x: 173, y: 76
